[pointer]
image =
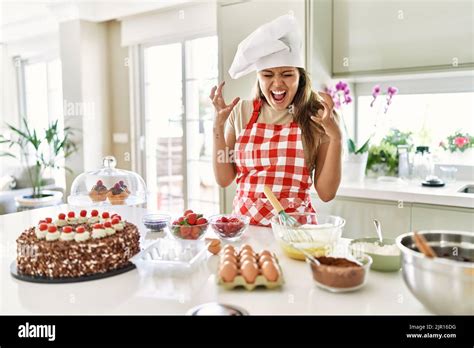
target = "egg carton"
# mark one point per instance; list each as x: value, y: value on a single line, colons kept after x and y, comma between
x: 260, y: 281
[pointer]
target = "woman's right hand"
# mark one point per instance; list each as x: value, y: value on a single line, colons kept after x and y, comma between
x: 222, y: 109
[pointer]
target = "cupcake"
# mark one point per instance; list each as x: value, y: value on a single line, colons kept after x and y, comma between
x: 125, y: 187
x: 117, y: 195
x: 98, y: 193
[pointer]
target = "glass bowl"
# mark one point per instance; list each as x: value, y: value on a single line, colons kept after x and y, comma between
x: 193, y: 232
x: 335, y: 274
x: 229, y: 227
x: 318, y: 234
x: 156, y: 222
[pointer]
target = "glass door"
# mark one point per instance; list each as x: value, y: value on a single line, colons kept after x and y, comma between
x: 164, y: 143
x: 178, y: 125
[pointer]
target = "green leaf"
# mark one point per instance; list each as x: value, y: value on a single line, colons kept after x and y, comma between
x: 364, y: 148
x: 351, y: 146
x: 17, y: 131
x: 6, y: 154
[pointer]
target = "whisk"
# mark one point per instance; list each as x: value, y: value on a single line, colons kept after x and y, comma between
x: 294, y: 233
x: 284, y: 218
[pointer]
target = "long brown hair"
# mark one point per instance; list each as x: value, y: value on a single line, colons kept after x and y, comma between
x: 306, y: 103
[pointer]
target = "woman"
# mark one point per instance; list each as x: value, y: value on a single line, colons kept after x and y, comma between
x: 287, y: 138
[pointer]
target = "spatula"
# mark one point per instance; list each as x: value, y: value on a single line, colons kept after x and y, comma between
x: 423, y: 246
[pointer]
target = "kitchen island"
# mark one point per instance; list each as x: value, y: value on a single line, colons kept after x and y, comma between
x: 130, y: 293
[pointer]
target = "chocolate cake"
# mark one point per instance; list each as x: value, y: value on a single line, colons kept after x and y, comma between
x: 77, y: 247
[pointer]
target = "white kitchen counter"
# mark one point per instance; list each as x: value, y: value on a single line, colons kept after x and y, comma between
x: 129, y: 293
x: 409, y: 192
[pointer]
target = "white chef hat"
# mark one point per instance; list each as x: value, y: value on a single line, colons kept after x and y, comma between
x: 277, y: 43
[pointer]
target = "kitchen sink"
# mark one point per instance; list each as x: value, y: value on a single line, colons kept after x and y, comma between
x: 467, y: 189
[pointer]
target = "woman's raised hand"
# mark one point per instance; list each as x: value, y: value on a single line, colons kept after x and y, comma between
x: 326, y: 119
x: 223, y: 110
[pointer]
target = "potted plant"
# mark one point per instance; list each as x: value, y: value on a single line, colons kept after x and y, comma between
x: 37, y: 154
x: 383, y: 158
x: 460, y: 146
x: 356, y: 160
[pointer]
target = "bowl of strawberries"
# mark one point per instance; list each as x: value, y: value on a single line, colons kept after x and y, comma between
x: 229, y: 227
x: 190, y: 225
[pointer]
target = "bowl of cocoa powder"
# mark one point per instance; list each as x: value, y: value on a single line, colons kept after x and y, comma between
x: 339, y: 274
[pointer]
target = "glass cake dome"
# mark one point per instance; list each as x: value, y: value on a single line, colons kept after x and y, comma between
x: 107, y: 186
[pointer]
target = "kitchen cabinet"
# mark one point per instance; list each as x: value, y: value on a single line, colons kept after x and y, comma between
x: 235, y: 21
x: 425, y: 216
x: 360, y: 213
x: 370, y: 36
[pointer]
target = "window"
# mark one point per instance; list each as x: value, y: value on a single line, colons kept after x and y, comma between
x: 43, y: 101
x: 431, y: 115
x: 178, y: 124
x: 43, y: 93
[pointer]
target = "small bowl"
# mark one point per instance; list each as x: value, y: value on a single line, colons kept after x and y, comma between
x: 340, y: 279
x: 231, y: 230
x: 317, y: 241
x: 192, y: 232
x: 381, y: 262
x: 156, y: 222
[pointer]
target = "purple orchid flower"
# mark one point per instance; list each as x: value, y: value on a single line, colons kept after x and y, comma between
x: 375, y: 93
x: 391, y: 91
x: 341, y: 86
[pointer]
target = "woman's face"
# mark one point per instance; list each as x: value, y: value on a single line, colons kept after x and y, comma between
x: 279, y: 85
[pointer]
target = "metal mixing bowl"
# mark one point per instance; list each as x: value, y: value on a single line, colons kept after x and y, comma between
x: 443, y: 285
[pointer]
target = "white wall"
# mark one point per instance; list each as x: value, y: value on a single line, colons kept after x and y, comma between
x: 169, y: 25
x: 8, y: 103
x: 84, y: 58
x: 320, y: 42
x: 119, y: 89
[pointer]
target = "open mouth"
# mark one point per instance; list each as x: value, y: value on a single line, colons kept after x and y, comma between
x: 278, y: 96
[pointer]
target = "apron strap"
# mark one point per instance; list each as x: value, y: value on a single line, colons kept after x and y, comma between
x: 257, y: 104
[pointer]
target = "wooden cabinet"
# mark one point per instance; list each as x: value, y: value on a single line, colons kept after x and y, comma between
x: 371, y: 36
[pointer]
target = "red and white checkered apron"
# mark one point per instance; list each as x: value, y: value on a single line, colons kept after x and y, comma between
x: 271, y: 155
